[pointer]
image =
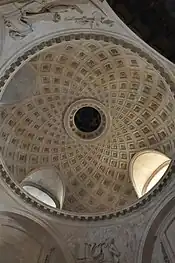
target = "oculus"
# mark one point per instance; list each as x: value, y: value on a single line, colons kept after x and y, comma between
x: 87, y: 119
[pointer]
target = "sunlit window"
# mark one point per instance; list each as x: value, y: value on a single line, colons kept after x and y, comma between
x: 40, y: 195
x: 46, y: 185
x: 155, y: 178
x: 146, y: 169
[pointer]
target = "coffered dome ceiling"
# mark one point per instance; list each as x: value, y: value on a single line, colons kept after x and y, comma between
x: 132, y: 103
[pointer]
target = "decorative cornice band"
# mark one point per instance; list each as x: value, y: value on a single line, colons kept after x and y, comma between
x: 65, y: 214
x: 91, y: 217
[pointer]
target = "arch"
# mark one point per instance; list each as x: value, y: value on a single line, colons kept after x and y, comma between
x: 146, y: 169
x: 27, y: 240
x: 46, y: 185
x: 146, y: 246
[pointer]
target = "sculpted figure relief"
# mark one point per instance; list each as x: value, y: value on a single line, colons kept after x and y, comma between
x: 113, y: 251
x: 106, y: 252
x: 18, y: 27
x: 94, y: 21
x: 5, y: 2
x: 20, y: 21
x: 36, y: 8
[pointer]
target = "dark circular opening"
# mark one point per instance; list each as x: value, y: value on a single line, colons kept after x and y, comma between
x: 87, y: 119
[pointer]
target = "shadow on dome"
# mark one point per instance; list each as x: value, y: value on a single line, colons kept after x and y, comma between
x: 20, y: 87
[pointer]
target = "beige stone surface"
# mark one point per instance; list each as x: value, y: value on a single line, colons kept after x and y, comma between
x: 133, y: 93
x: 140, y: 106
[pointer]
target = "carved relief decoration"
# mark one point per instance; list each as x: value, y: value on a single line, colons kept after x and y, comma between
x: 108, y: 244
x: 100, y: 253
x: 21, y: 17
x: 94, y: 21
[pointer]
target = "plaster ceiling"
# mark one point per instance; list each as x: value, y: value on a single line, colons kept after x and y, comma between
x: 134, y: 96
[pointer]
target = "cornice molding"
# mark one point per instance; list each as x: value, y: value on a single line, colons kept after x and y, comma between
x: 13, y: 186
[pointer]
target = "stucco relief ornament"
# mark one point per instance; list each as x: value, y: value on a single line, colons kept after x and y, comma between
x: 20, y: 21
x: 95, y: 21
x: 41, y: 9
x: 19, y: 28
x: 104, y: 252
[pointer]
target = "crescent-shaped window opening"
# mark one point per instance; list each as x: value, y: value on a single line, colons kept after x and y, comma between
x: 146, y: 169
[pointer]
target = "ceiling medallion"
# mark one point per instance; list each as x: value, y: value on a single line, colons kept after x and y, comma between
x: 87, y: 120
